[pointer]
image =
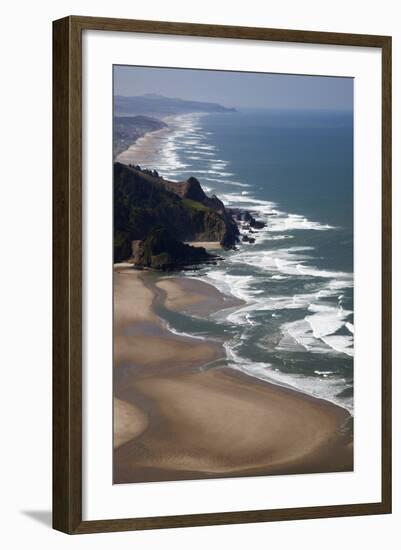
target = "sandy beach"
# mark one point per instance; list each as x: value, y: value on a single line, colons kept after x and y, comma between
x: 193, y: 296
x: 209, y: 245
x: 179, y: 413
x: 145, y: 148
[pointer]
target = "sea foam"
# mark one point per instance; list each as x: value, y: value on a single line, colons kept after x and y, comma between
x: 323, y: 327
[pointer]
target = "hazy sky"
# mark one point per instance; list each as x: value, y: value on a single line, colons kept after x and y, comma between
x: 234, y: 89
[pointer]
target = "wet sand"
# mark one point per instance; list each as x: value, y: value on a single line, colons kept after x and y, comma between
x: 180, y: 414
x: 193, y: 296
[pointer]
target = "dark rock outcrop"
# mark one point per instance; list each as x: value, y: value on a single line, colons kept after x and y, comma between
x: 257, y: 224
x: 160, y: 250
x: 192, y: 189
x: 247, y: 239
x: 247, y: 218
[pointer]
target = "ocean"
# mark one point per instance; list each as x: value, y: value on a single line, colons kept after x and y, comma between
x: 294, y: 171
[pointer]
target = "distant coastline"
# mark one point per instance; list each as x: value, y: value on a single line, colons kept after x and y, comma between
x: 137, y: 117
x: 146, y: 144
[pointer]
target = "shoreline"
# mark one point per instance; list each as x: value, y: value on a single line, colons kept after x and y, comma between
x: 142, y: 148
x: 146, y: 146
x: 181, y: 413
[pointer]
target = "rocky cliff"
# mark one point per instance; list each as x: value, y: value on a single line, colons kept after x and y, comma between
x: 144, y: 200
x: 161, y: 250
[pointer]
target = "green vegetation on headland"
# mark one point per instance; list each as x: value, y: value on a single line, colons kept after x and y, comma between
x: 193, y: 204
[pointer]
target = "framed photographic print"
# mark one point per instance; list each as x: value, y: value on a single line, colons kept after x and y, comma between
x: 222, y: 275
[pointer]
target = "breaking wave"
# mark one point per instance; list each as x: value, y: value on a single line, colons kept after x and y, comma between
x: 282, y: 287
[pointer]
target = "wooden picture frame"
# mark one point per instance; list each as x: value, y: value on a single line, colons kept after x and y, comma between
x: 67, y: 274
